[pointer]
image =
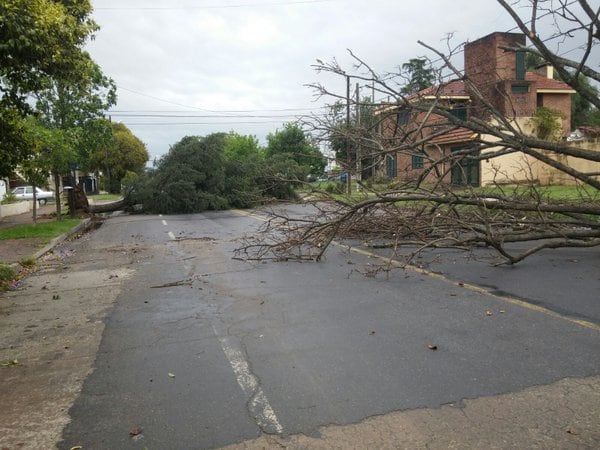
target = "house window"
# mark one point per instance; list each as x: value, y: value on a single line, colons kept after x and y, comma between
x: 465, y: 170
x: 391, y: 166
x: 459, y: 110
x: 417, y: 161
x: 520, y: 89
x: 402, y: 117
x: 520, y: 65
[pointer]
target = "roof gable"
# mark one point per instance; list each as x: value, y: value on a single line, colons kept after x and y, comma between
x: 544, y: 83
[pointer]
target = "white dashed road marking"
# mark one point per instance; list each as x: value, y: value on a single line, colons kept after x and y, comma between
x: 258, y: 404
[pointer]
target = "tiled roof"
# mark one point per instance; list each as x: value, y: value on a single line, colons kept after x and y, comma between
x: 458, y: 135
x: 542, y: 82
x: 454, y: 88
x: 592, y: 131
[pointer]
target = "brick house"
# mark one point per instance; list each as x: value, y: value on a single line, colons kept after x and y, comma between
x: 500, y: 76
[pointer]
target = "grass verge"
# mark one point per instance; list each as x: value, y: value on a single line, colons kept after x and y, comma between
x: 105, y: 197
x: 41, y: 230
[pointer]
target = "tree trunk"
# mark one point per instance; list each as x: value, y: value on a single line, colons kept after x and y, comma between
x: 57, y: 194
x: 107, y: 207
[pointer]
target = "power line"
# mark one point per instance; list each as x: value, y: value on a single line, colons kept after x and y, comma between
x: 184, y: 8
x: 228, y: 113
x: 214, y: 116
x: 202, y: 123
x: 163, y: 111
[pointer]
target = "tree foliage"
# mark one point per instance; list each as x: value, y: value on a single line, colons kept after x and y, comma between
x: 583, y: 112
x: 293, y: 142
x: 122, y: 152
x: 41, y: 43
x: 15, y: 143
x: 218, y: 171
x: 419, y: 76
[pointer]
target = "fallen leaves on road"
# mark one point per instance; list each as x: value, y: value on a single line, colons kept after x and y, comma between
x: 171, y: 375
x: 11, y: 363
x: 432, y: 347
x: 488, y: 312
x: 135, y: 431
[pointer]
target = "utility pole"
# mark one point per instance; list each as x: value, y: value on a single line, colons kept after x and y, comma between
x: 348, y: 159
x: 107, y: 174
x: 358, y: 144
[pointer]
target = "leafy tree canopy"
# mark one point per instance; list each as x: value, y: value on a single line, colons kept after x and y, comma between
x: 294, y: 142
x: 239, y: 147
x: 41, y: 45
x: 42, y: 40
x: 419, y: 76
x: 15, y: 145
x: 124, y: 153
x: 217, y: 171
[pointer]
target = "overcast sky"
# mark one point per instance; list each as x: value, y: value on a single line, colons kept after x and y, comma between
x: 242, y: 65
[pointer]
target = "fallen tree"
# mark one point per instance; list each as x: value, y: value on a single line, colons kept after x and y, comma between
x: 429, y: 209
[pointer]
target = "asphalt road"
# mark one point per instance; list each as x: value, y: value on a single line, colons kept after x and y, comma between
x: 202, y: 351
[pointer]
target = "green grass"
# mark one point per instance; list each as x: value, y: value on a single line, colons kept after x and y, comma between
x: 41, y: 230
x: 550, y: 192
x: 547, y: 193
x: 105, y: 197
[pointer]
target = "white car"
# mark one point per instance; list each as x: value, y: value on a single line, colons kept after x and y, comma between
x: 26, y: 193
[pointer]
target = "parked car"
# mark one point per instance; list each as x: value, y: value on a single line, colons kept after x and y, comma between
x: 26, y: 193
x: 342, y: 177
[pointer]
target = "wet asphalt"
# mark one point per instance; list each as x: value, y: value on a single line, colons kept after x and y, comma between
x: 202, y: 350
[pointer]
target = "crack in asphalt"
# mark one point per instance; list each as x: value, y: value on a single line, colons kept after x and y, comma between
x: 257, y: 404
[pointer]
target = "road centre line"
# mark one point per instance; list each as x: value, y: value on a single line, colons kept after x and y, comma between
x: 164, y: 222
x: 171, y: 235
x: 258, y: 404
x: 469, y: 286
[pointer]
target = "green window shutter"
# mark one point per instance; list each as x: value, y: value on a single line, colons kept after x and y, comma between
x: 391, y: 166
x: 520, y: 65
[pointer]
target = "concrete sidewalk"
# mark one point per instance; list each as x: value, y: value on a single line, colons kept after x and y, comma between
x: 15, y: 250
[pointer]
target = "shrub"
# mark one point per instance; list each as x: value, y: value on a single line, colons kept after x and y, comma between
x: 28, y: 262
x: 7, y: 274
x: 9, y: 197
x: 546, y: 123
x: 335, y: 188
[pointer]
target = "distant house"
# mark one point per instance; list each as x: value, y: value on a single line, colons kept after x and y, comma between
x: 504, y: 85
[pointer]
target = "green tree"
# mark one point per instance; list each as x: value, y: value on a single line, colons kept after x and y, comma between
x: 190, y: 178
x: 51, y: 150
x: 15, y: 145
x: 77, y: 110
x: 582, y: 110
x: 419, y: 76
x: 41, y: 41
x: 295, y: 143
x: 124, y: 153
x: 244, y: 166
x: 358, y: 138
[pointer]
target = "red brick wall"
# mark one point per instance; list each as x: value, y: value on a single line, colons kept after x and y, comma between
x: 489, y: 67
x: 562, y: 103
